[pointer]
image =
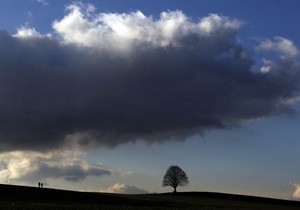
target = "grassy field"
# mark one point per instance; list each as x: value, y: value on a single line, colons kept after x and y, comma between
x: 17, y: 197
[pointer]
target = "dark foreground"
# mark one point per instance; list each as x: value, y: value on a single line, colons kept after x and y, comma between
x: 17, y: 197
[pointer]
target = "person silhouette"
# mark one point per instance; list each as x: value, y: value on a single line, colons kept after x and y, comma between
x: 42, y: 185
x: 39, y: 184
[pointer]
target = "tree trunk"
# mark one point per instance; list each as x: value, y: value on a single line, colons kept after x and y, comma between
x: 175, y: 191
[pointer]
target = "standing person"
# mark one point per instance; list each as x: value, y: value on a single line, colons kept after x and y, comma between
x: 39, y: 184
x: 42, y: 185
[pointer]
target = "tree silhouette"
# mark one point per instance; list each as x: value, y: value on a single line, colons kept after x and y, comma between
x: 175, y: 177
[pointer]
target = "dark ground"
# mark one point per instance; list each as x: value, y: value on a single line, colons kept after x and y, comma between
x: 18, y: 197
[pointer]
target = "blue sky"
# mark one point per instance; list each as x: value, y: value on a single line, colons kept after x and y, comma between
x: 87, y: 104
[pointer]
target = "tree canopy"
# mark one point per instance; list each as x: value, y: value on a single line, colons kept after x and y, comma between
x: 175, y: 177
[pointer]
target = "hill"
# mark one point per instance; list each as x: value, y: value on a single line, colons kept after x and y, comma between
x: 20, y: 197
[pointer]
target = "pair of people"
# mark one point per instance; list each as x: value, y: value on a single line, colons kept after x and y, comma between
x: 40, y: 184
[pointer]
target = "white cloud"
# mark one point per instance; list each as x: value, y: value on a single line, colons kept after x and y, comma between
x: 296, y: 194
x: 122, y: 31
x: 25, y: 32
x: 34, y: 166
x: 15, y: 165
x: 265, y: 69
x: 220, y: 23
x: 43, y: 2
x: 280, y: 45
x: 267, y: 66
x: 124, y: 189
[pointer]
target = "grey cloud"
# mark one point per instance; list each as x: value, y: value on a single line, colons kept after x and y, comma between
x: 51, y: 88
x: 73, y: 173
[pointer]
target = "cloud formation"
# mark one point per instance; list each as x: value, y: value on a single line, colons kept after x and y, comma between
x: 296, y: 194
x: 43, y: 2
x: 124, y: 189
x: 283, y: 46
x: 108, y: 78
x: 34, y: 166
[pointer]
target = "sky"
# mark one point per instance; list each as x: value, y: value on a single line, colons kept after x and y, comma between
x: 106, y: 95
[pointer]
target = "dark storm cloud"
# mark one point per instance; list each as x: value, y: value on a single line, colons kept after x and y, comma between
x: 189, y: 78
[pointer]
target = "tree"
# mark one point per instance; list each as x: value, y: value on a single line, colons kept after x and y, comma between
x: 175, y: 177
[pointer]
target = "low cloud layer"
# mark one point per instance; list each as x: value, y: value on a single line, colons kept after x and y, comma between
x: 34, y: 166
x: 296, y: 194
x: 107, y: 79
x: 124, y: 189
